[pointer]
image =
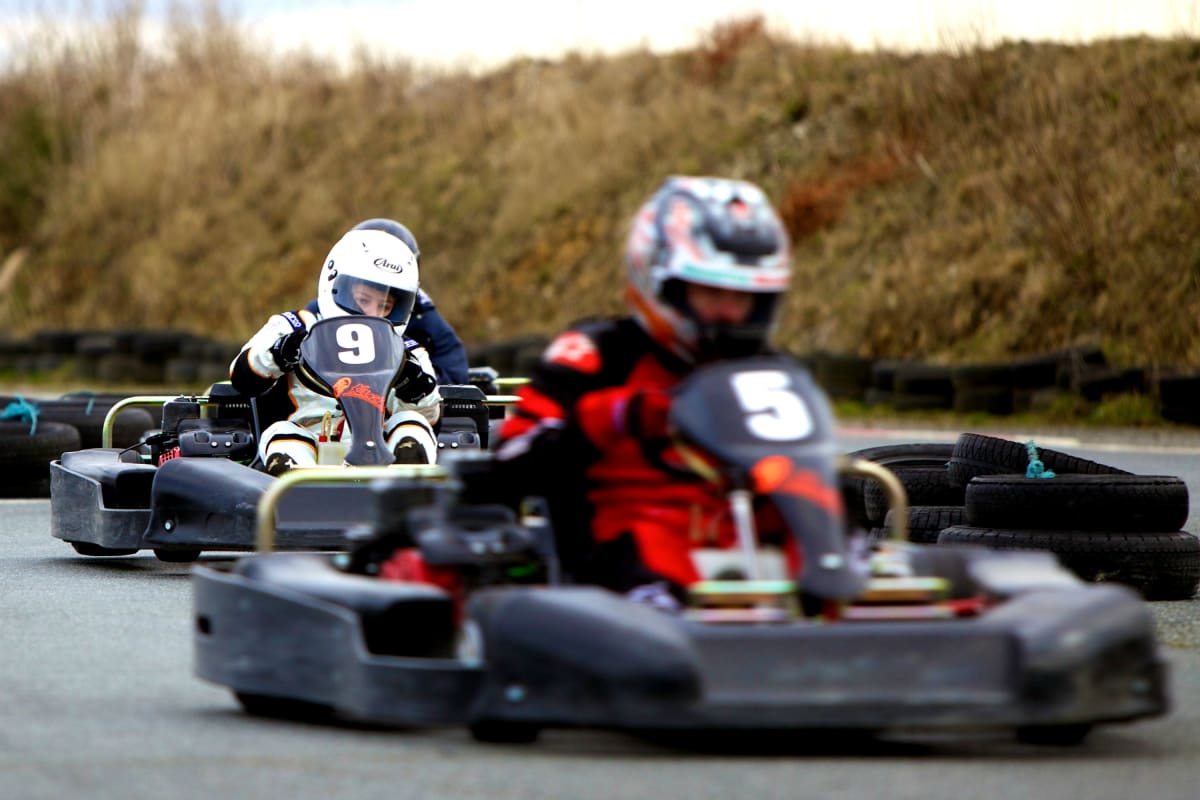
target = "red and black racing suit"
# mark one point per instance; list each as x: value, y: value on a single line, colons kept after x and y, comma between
x: 620, y: 519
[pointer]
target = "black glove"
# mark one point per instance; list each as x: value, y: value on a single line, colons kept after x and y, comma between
x: 286, y: 350
x: 413, y: 383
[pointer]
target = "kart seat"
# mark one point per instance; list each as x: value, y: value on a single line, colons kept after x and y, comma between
x: 124, y: 481
x: 464, y: 408
x: 230, y: 406
x: 398, y: 618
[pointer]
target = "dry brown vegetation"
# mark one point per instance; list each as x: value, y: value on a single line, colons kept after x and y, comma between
x: 964, y: 205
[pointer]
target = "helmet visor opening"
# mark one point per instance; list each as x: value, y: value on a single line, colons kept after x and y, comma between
x: 358, y: 296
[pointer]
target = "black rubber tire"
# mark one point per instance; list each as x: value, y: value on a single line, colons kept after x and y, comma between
x: 902, y: 401
x: 1162, y: 566
x: 60, y: 342
x: 925, y: 523
x: 1180, y: 398
x: 180, y: 555
x: 921, y: 386
x: 87, y: 417
x: 105, y: 399
x: 90, y: 549
x: 1096, y: 383
x: 1119, y: 503
x: 994, y: 400
x: 25, y: 457
x: 504, y: 731
x: 917, y: 454
x: 977, y: 454
x: 262, y: 705
x: 842, y: 376
x: 180, y: 371
x: 967, y: 376
x: 925, y: 486
x: 1054, y: 735
x: 93, y: 346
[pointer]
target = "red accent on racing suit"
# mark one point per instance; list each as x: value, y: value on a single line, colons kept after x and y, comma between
x: 568, y: 432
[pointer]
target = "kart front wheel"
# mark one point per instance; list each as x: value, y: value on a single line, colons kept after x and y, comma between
x: 89, y: 549
x: 177, y: 556
x: 263, y: 705
x: 496, y: 731
x: 1054, y: 735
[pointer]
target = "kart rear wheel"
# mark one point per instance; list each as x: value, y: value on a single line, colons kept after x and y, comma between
x: 177, y: 555
x: 265, y: 705
x: 89, y: 549
x: 496, y: 731
x: 1054, y: 735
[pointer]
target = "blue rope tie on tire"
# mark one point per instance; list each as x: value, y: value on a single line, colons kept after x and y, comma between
x: 1036, y: 468
x: 91, y: 402
x: 19, y: 409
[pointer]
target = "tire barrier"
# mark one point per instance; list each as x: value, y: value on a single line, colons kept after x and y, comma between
x: 1103, y: 523
x: 26, y: 450
x: 144, y: 358
x: 899, y: 458
x: 35, y: 432
x: 1029, y: 383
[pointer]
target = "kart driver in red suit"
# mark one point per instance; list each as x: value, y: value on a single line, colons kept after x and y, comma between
x: 707, y: 264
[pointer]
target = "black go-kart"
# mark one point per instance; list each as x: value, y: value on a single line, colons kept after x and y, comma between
x: 195, y: 483
x: 453, y: 613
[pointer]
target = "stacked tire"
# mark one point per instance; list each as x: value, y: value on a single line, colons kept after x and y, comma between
x: 71, y: 423
x: 921, y: 468
x: 26, y: 451
x: 1103, y: 523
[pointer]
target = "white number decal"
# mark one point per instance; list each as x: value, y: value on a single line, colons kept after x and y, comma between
x: 773, y: 410
x: 358, y: 342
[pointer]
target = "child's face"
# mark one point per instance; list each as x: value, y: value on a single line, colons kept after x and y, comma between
x: 714, y: 306
x: 371, y: 301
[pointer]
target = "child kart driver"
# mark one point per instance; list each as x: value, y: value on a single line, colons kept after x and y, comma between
x: 707, y: 263
x: 350, y: 283
x: 426, y: 326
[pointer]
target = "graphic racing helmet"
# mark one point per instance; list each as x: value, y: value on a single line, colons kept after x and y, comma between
x: 396, y: 229
x: 368, y: 262
x: 714, y: 232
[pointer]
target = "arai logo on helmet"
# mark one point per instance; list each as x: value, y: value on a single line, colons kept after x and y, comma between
x: 389, y: 266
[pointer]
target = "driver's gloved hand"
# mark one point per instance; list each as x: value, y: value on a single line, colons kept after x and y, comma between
x: 620, y: 411
x: 413, y: 382
x: 646, y: 414
x: 286, y: 350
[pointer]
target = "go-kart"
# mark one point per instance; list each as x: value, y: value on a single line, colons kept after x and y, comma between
x: 450, y: 612
x: 195, y: 483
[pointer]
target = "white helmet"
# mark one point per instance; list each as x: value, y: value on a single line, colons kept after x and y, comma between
x: 378, y: 260
x: 714, y: 232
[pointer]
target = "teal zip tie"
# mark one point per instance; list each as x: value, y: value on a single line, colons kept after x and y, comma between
x: 20, y: 409
x: 1036, y: 468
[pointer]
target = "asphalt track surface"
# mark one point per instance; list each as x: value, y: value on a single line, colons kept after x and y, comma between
x: 98, y: 700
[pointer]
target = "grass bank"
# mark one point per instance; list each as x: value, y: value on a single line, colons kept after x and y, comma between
x: 967, y: 205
